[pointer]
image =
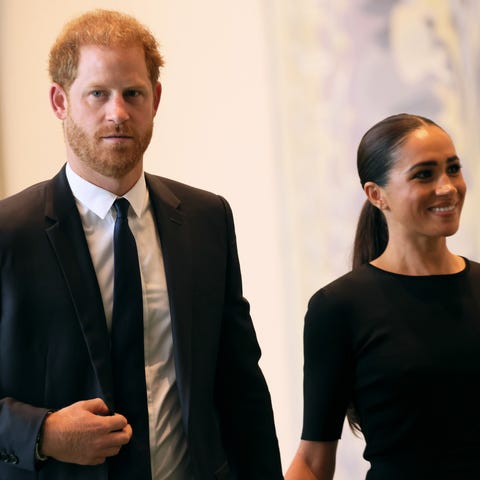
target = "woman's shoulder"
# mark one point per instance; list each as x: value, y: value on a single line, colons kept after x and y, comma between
x: 472, y: 266
x: 360, y: 278
x: 347, y: 291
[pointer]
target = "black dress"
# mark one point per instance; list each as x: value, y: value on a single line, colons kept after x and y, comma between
x: 405, y: 350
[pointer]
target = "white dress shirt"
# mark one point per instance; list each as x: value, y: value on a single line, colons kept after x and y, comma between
x: 168, y: 448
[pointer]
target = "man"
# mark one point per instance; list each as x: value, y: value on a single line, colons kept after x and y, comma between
x: 73, y: 404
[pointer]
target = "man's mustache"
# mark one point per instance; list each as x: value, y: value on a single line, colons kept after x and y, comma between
x: 115, y: 132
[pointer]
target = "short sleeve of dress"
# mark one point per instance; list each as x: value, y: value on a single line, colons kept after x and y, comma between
x: 328, y: 366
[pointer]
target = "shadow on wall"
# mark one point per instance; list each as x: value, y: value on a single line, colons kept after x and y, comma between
x: 2, y: 143
x: 2, y: 160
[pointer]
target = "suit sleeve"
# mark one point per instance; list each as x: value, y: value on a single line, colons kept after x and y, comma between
x: 20, y: 422
x: 19, y: 427
x: 243, y: 398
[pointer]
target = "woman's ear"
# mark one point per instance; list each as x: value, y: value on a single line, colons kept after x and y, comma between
x: 59, y: 101
x: 376, y: 195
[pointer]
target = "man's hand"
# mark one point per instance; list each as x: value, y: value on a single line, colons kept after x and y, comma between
x: 84, y: 433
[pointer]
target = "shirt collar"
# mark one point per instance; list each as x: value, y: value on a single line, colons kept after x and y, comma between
x: 100, y: 201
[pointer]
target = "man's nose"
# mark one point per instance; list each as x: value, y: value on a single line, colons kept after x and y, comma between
x: 117, y: 110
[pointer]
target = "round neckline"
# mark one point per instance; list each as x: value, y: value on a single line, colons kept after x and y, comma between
x: 439, y: 275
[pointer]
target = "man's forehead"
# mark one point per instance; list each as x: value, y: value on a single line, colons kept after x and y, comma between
x: 100, y: 65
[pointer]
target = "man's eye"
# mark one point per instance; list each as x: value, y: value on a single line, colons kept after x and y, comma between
x: 132, y: 93
x: 97, y: 93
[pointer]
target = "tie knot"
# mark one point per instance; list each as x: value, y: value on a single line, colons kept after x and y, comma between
x: 121, y: 206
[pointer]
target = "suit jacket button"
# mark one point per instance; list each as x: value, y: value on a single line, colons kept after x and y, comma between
x: 12, y: 459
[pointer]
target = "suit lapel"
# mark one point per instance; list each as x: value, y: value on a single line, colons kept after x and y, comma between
x: 175, y: 239
x: 65, y: 232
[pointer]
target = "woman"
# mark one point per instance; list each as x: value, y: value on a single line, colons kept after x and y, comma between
x: 398, y: 339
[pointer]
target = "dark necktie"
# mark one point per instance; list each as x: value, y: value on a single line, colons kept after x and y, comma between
x: 128, y: 362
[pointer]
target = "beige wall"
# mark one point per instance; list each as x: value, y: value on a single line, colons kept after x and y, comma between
x: 264, y: 102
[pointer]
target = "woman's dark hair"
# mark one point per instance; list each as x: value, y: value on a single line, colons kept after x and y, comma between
x: 375, y: 159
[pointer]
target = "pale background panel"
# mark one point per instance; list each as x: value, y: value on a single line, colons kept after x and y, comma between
x: 337, y: 68
x: 264, y: 102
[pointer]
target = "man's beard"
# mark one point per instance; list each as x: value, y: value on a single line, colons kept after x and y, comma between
x: 110, y: 160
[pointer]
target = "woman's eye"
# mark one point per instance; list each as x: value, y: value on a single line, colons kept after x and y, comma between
x: 423, y: 174
x: 453, y: 169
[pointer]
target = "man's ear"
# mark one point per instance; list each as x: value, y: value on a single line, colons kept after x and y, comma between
x: 59, y: 101
x: 157, y: 93
x: 376, y: 195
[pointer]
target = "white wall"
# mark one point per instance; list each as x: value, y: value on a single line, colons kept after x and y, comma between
x: 213, y: 130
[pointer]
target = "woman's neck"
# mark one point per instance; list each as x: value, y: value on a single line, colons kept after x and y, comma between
x: 430, y: 258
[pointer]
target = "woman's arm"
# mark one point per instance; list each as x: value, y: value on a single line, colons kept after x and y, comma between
x: 313, y: 461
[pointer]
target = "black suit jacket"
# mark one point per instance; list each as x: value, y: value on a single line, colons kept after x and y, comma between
x: 54, y: 340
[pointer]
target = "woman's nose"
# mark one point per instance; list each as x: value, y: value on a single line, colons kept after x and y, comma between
x: 445, y: 188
